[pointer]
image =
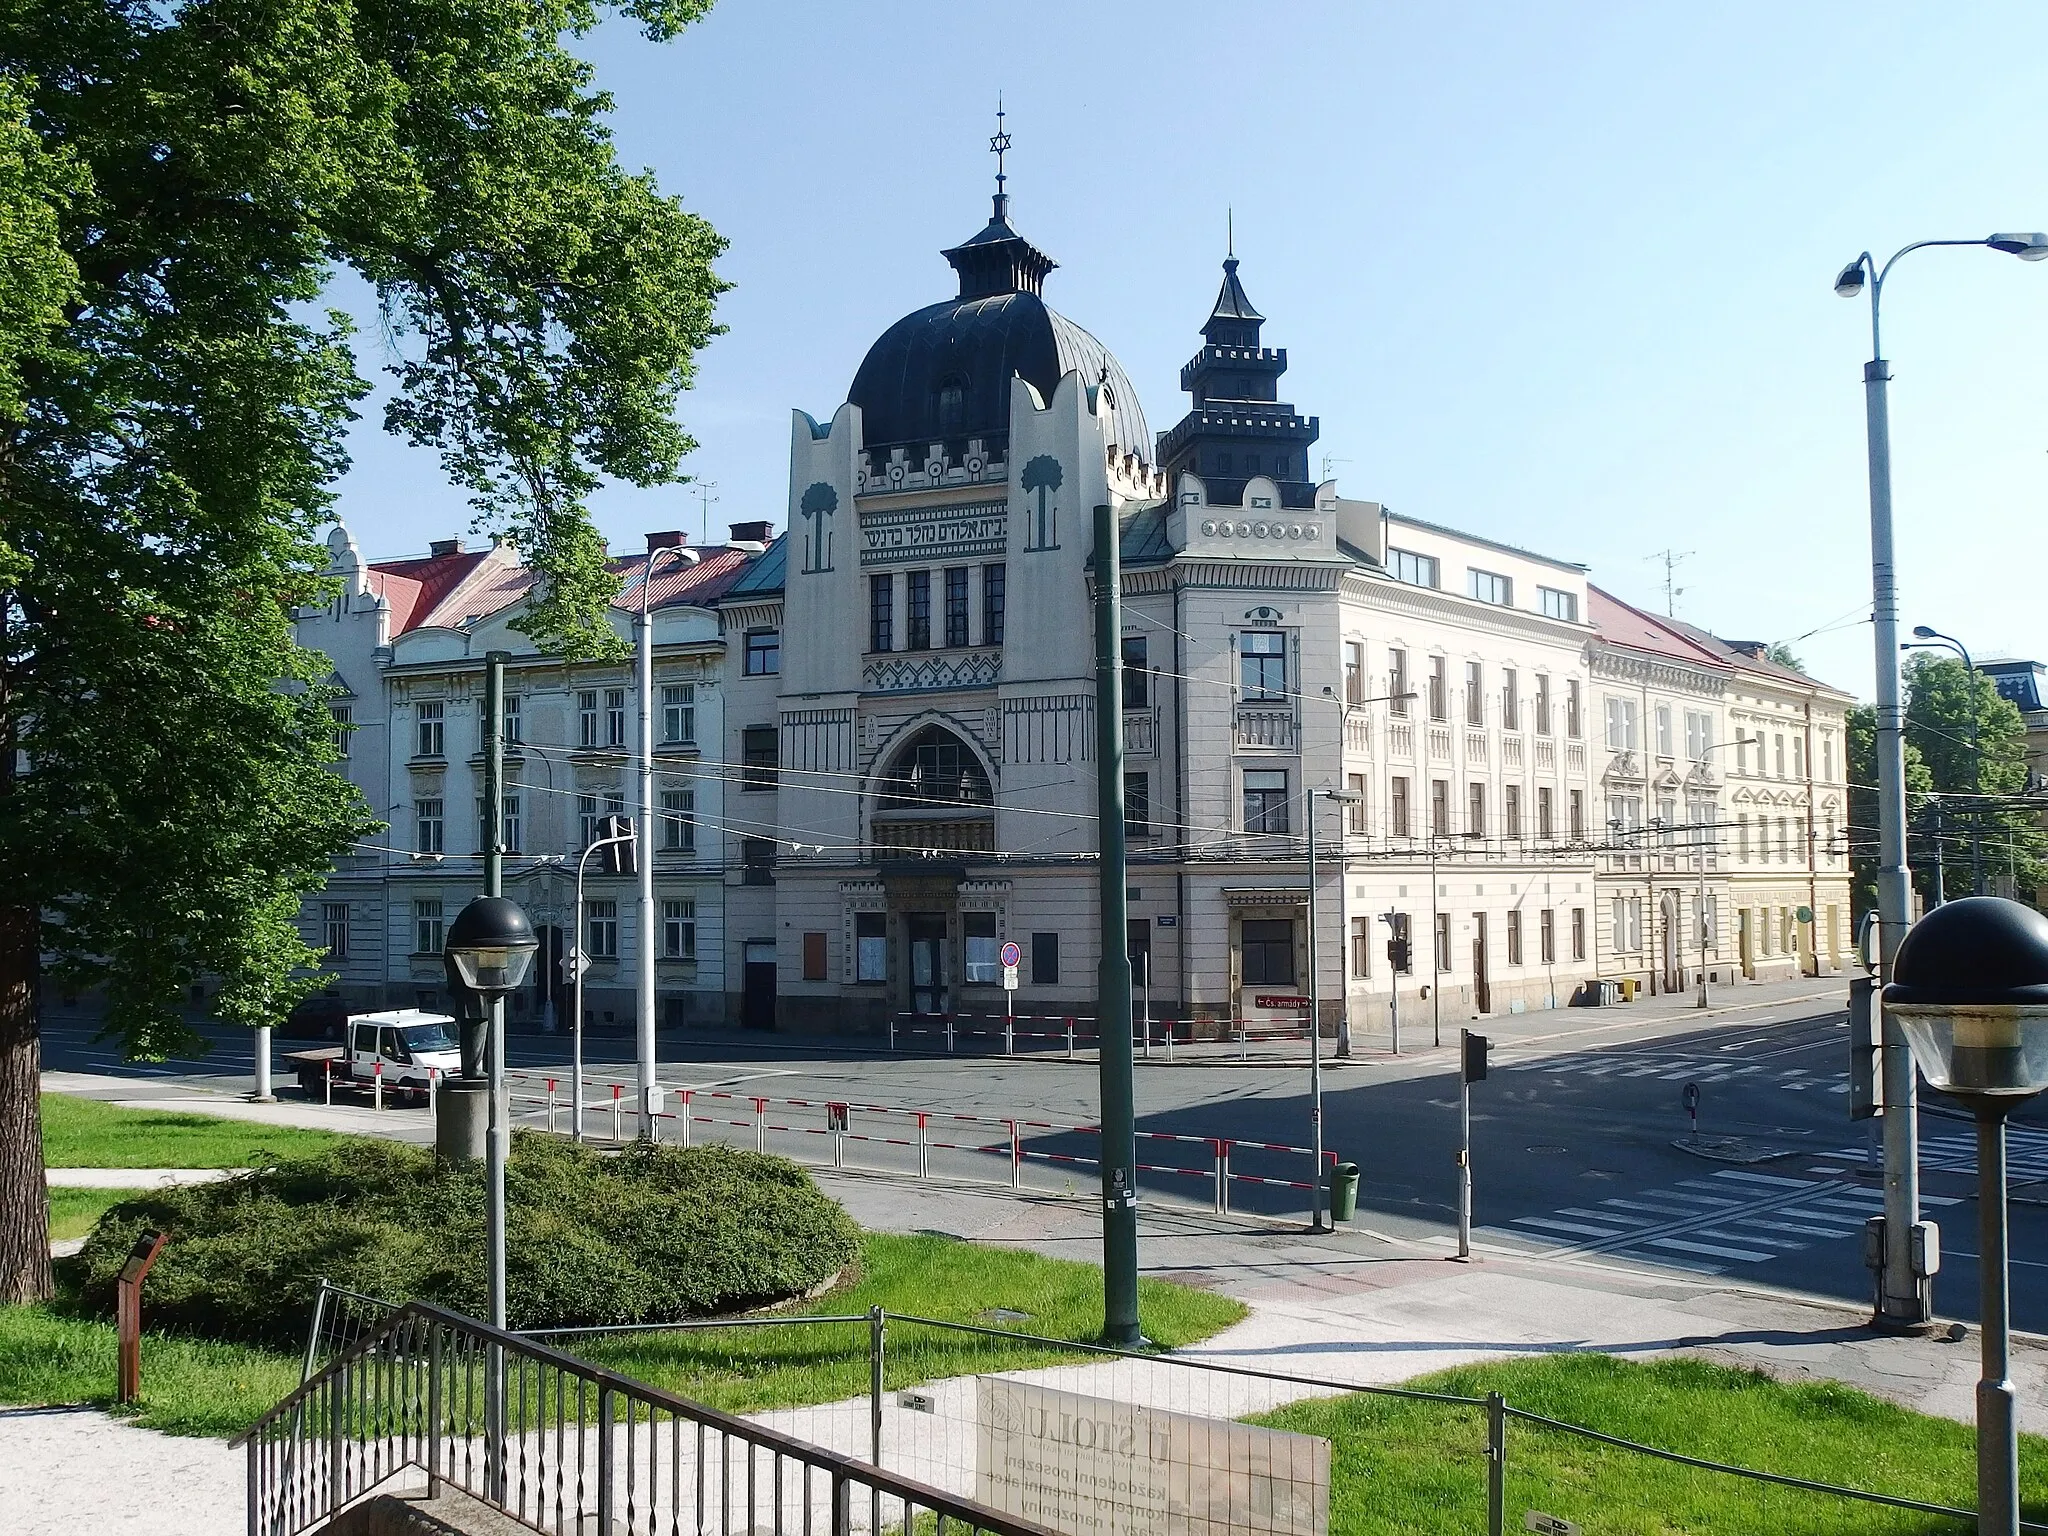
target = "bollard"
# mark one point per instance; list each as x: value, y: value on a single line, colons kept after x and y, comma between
x: 760, y: 1125
x: 1225, y: 1194
x: 433, y: 1078
x: 1070, y: 1037
x: 615, y: 1113
x: 128, y: 1312
x: 1169, y: 1042
x: 1222, y: 1194
x: 327, y: 1080
x: 1243, y: 1054
x: 949, y: 1032
x: 1016, y: 1157
x: 924, y: 1170
x: 377, y: 1085
x: 686, y: 1116
x: 551, y: 1106
x: 892, y: 1031
x: 1496, y: 1463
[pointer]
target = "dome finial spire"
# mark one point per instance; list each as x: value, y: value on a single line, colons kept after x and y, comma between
x: 999, y: 146
x: 1229, y: 233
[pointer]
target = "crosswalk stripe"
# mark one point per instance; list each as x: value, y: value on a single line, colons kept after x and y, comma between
x: 1748, y: 1254
x: 1743, y: 1177
x: 1634, y: 1221
x: 1782, y: 1244
x: 1569, y: 1226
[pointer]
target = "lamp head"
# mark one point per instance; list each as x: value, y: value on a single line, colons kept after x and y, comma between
x: 2028, y: 247
x: 1850, y: 283
x: 1970, y: 988
x: 491, y: 943
x: 1922, y: 632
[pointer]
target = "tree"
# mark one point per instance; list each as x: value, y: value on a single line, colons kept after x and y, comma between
x: 177, y: 186
x: 1781, y: 653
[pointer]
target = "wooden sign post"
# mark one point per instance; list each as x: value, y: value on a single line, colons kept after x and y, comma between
x: 128, y: 1312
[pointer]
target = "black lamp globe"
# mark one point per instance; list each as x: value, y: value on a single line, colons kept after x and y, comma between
x: 1970, y: 989
x: 492, y: 944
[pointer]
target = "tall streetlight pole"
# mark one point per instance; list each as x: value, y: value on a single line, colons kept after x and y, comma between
x: 1702, y: 848
x: 1904, y: 1298
x: 643, y: 938
x: 1315, y: 1010
x: 1926, y: 639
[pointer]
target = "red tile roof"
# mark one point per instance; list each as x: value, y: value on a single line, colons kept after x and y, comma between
x: 450, y: 590
x: 1621, y: 624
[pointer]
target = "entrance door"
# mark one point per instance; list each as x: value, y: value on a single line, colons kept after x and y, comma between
x: 757, y: 1001
x: 927, y: 933
x: 1482, y: 994
x: 1745, y: 943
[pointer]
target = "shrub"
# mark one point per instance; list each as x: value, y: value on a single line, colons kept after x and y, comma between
x: 648, y: 1235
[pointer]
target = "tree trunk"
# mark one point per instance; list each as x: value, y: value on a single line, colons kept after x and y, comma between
x: 24, y: 1193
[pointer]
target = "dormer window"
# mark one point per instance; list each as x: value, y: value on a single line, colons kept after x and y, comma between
x: 952, y: 404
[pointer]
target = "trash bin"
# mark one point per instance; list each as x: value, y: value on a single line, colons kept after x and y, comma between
x: 1628, y: 989
x: 1343, y: 1191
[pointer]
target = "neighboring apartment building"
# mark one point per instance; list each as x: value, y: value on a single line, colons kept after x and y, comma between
x: 2025, y: 683
x: 408, y: 639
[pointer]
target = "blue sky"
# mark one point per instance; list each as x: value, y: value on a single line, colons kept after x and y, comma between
x: 1557, y: 274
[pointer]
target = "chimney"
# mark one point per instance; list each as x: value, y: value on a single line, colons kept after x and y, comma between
x: 670, y: 540
x: 751, y: 533
x: 441, y: 547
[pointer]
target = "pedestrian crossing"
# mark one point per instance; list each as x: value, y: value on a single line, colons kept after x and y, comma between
x: 1729, y: 1217
x: 1682, y: 1067
x: 2026, y: 1153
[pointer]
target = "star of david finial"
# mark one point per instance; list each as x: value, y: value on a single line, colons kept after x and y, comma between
x: 999, y: 145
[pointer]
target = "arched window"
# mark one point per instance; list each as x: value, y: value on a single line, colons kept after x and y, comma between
x: 935, y: 771
x: 952, y: 404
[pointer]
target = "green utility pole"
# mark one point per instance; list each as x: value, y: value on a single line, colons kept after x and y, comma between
x: 494, y: 772
x: 1113, y: 975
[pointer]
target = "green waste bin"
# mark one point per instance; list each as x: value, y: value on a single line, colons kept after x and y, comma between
x: 1343, y: 1191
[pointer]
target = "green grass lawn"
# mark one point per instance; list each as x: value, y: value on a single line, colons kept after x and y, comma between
x: 74, y: 1211
x: 745, y: 1370
x: 1420, y: 1467
x: 85, y: 1133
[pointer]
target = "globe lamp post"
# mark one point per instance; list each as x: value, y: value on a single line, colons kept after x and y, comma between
x: 1970, y: 989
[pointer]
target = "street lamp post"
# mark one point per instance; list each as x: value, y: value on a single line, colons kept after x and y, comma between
x: 1315, y: 1012
x: 1926, y: 639
x: 1701, y: 849
x: 579, y: 962
x: 1903, y: 1297
x: 491, y: 943
x: 1970, y: 988
x: 643, y: 940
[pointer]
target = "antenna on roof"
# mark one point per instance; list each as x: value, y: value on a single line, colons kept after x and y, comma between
x: 1672, y: 559
x: 1229, y: 231
x: 704, y: 488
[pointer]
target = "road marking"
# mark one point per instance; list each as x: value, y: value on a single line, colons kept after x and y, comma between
x: 1569, y: 1226
x: 1712, y: 1250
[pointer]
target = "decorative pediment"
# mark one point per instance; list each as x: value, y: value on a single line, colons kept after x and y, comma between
x: 1622, y: 768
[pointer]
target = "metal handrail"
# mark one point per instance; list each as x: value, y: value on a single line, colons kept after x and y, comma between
x: 394, y: 1402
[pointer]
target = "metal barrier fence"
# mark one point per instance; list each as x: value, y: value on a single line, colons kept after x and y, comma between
x: 432, y: 1399
x: 1238, y: 1176
x: 1047, y: 1032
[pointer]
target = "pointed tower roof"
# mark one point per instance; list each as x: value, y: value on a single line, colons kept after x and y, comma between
x: 1231, y: 302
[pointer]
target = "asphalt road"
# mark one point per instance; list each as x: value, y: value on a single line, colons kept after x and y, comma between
x: 1577, y: 1149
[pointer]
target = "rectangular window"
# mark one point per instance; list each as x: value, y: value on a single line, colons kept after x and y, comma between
x: 1778, y: 742
x: 1475, y: 810
x: 956, y: 605
x: 1397, y: 683
x: 760, y: 757
x: 1542, y: 704
x: 1578, y: 933
x: 1475, y: 693
x: 679, y: 820
x: 1742, y: 838
x: 1514, y: 938
x: 1439, y: 689
x: 588, y: 814
x: 984, y: 960
x: 511, y: 827
x: 919, y: 584
x: 1664, y: 730
x: 1361, y: 946
x: 586, y: 717
x: 432, y: 725
x: 1827, y: 757
x: 1443, y: 943
x: 428, y: 933
x: 1621, y: 945
x: 679, y: 713
x: 870, y: 946
x: 1355, y: 818
x: 1045, y: 959
x: 1547, y: 934
x: 1621, y: 724
x: 1699, y: 733
x: 1354, y: 672
x: 1137, y: 676
x: 1667, y: 820
x: 615, y: 717
x: 1559, y: 605
x: 1397, y: 807
x: 1578, y: 807
x: 1439, y: 808
x: 1490, y: 587
x: 601, y: 919
x: 1798, y: 757
x: 343, y: 716
x: 1510, y: 699
x: 764, y: 652
x: 679, y: 930
x: 1265, y: 800
x: 757, y: 861
x: 994, y: 584
x: 1574, y: 726
x: 815, y: 968
x: 1416, y: 570
x: 1267, y: 951
x: 1262, y: 663
x: 1137, y: 804
x: 429, y: 833
x: 882, y: 613
x: 334, y: 923
x: 1511, y: 810
x: 1546, y: 811
x: 511, y: 719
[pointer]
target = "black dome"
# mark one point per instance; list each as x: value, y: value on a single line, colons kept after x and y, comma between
x: 942, y: 375
x: 1978, y: 950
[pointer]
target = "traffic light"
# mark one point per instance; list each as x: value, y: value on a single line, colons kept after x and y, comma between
x: 620, y: 857
x: 1866, y: 1050
x: 1472, y: 1066
x: 1401, y: 955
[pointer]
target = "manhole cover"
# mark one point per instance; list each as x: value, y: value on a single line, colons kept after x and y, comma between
x: 1547, y: 1151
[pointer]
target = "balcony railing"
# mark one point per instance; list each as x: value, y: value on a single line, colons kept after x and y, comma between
x: 1141, y: 732
x: 1440, y: 743
x: 1267, y: 727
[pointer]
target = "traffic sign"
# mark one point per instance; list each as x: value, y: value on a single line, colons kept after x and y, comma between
x: 574, y: 963
x: 1280, y: 1000
x: 1009, y: 978
x: 1012, y: 956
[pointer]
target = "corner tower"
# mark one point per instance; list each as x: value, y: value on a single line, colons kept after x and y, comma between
x: 1239, y: 428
